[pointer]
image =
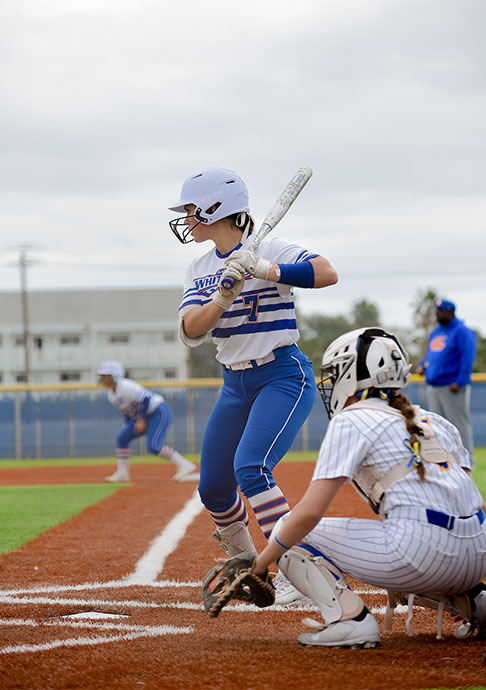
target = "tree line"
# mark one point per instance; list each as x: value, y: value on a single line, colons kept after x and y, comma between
x: 318, y: 330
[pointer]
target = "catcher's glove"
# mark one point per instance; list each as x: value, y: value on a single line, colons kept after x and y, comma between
x: 234, y: 580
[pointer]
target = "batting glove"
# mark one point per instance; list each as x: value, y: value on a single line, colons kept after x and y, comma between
x: 225, y: 298
x: 257, y: 266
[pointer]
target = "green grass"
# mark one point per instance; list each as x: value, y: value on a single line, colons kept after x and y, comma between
x: 479, y: 472
x: 84, y: 462
x: 26, y: 511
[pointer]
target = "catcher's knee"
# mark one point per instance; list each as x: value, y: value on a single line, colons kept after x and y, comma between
x: 234, y: 539
x: 322, y: 582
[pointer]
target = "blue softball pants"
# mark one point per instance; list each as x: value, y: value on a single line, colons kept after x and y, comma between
x: 157, y: 424
x: 253, y: 424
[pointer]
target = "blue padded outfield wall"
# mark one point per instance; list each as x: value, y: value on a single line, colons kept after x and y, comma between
x: 82, y: 423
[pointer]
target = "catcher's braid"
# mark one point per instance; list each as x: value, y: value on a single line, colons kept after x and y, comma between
x: 224, y: 582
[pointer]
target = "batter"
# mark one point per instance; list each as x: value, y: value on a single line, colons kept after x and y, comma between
x: 269, y: 386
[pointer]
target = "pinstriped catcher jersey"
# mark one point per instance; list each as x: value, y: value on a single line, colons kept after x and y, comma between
x: 370, y: 437
x: 262, y: 318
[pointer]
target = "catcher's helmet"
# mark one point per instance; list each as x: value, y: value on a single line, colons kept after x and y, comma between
x: 363, y: 358
x: 216, y: 193
x: 112, y: 368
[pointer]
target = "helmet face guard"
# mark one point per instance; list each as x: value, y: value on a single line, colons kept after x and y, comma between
x: 181, y: 230
x: 325, y: 387
x: 360, y: 359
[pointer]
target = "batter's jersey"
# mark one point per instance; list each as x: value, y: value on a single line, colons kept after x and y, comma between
x: 261, y: 319
x: 132, y: 399
x: 370, y: 437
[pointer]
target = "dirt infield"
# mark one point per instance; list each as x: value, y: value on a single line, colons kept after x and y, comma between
x: 102, y: 601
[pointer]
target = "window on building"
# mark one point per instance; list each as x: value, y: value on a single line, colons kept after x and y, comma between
x: 37, y: 341
x: 20, y: 377
x: 118, y: 338
x: 70, y: 339
x: 19, y: 340
x: 169, y: 336
x: 70, y: 376
x: 170, y: 373
x: 1, y: 341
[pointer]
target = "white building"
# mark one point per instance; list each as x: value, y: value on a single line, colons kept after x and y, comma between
x: 71, y: 331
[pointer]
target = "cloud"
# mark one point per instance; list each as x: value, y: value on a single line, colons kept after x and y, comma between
x: 107, y: 106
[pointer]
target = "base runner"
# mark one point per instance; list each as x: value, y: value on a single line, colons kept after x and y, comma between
x: 430, y: 547
x: 145, y: 413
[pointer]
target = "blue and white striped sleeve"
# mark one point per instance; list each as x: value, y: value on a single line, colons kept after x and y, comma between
x: 281, y: 251
x: 191, y: 299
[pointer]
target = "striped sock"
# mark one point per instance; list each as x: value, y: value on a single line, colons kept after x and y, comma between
x: 237, y: 513
x: 269, y: 506
x: 122, y: 457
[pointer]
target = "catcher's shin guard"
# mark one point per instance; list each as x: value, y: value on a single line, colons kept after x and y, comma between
x: 234, y: 539
x: 325, y: 584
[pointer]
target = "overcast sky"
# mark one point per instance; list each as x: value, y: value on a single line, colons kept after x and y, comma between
x: 106, y: 106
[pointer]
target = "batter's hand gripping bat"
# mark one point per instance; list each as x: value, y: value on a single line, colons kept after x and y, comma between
x: 277, y: 211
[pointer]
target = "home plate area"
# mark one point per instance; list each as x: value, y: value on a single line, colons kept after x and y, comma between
x: 112, y: 599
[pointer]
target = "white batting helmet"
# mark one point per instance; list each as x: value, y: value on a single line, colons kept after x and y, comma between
x: 216, y: 193
x: 112, y: 368
x: 363, y: 358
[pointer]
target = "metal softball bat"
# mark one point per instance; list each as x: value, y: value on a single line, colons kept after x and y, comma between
x: 277, y: 211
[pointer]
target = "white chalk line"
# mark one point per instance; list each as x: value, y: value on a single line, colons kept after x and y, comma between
x: 173, y: 605
x: 119, y: 584
x: 127, y: 633
x: 111, y: 584
x: 146, y: 571
x: 94, y: 625
x: 152, y: 562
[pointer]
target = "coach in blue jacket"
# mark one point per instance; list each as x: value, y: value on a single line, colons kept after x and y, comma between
x: 447, y: 367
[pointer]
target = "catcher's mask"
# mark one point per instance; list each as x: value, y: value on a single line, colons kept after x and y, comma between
x: 361, y: 359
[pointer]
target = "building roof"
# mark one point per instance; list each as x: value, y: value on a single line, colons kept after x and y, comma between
x: 75, y: 307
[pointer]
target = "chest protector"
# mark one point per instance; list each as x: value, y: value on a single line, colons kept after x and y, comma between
x: 370, y: 483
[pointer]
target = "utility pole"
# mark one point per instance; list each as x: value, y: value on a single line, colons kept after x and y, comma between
x: 23, y: 263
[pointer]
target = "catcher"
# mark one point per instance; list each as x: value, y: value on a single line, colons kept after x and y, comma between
x: 411, y: 466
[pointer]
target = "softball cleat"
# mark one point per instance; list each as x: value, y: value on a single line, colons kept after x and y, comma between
x: 118, y: 477
x: 355, y: 634
x: 186, y: 472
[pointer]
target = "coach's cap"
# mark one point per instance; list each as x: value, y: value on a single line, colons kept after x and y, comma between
x: 112, y: 368
x: 445, y: 305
